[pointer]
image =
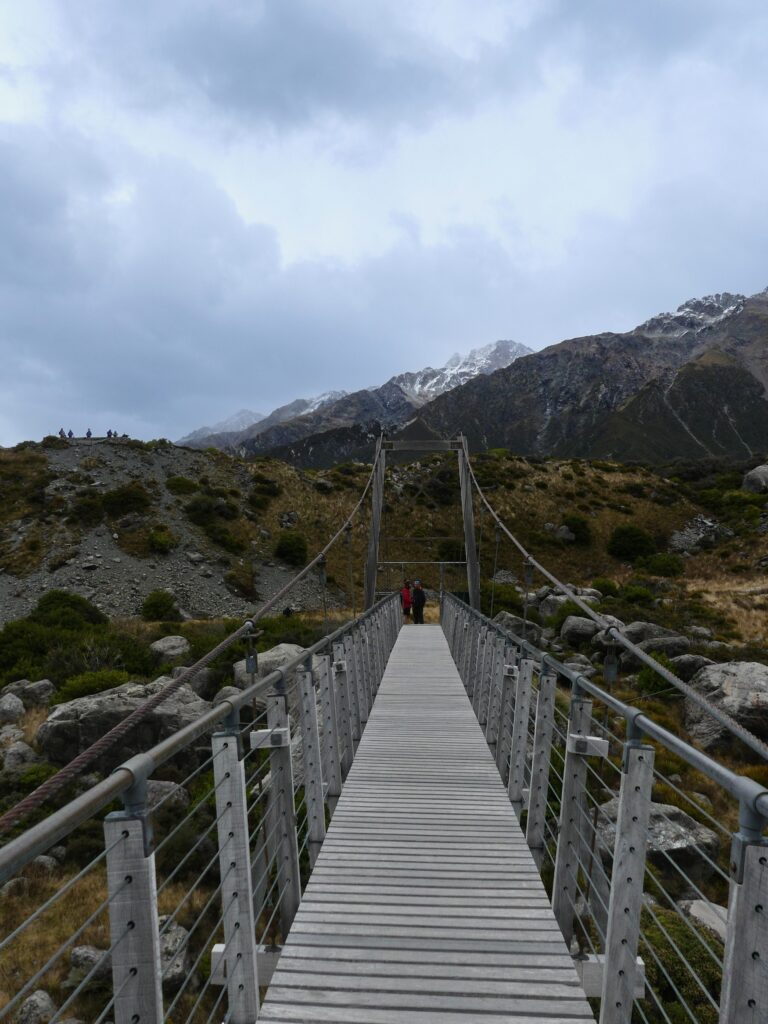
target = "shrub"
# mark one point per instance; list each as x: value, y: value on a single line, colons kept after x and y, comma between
x: 580, y: 529
x: 129, y: 498
x: 567, y: 608
x: 648, y: 681
x: 292, y: 548
x: 86, y: 509
x: 181, y: 485
x: 52, y: 441
x: 210, y: 511
x: 88, y: 683
x: 629, y: 543
x: 662, y: 564
x: 608, y: 588
x: 160, y: 606
x: 162, y: 540
x: 63, y: 610
x: 636, y: 595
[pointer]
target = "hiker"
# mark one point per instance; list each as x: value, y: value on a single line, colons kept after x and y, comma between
x: 70, y: 435
x: 405, y: 600
x: 419, y: 600
x: 61, y: 432
x: 88, y: 432
x: 109, y: 434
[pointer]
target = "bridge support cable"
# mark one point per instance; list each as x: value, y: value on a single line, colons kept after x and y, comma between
x: 734, y: 727
x: 377, y: 501
x: 596, y: 829
x: 465, y: 481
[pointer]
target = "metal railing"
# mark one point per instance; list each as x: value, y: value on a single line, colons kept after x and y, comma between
x: 196, y: 882
x: 618, y: 839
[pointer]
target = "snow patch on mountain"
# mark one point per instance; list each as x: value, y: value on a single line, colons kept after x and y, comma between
x: 422, y: 386
x: 232, y: 424
x: 694, y: 315
x: 327, y: 398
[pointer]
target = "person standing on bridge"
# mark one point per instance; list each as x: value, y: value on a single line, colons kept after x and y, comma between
x: 419, y: 600
x: 405, y: 600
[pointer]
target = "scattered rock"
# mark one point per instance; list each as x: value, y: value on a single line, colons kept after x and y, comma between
x: 18, y: 756
x: 38, y: 1009
x: 195, y: 557
x: 687, y: 665
x: 636, y: 632
x: 514, y: 624
x: 671, y: 646
x: 756, y: 480
x: 43, y: 863
x: 564, y: 534
x: 276, y: 657
x: 167, y: 793
x: 82, y: 960
x: 31, y: 694
x: 711, y: 915
x: 174, y: 955
x: 702, y: 632
x: 701, y: 532
x: 14, y: 888
x: 578, y: 629
x: 740, y: 688
x: 288, y: 519
x: 168, y: 648
x: 58, y: 853
x: 11, y: 708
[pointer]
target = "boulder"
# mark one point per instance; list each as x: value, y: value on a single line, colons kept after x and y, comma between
x: 602, y: 639
x: 32, y: 695
x: 38, y: 1009
x: 756, y: 480
x: 74, y: 726
x: 700, y: 632
x: 687, y: 665
x: 201, y: 682
x: 514, y: 624
x: 269, y: 661
x: 671, y: 646
x: 174, y: 954
x: 636, y: 632
x: 84, y: 959
x: 18, y: 756
x: 711, y: 915
x: 701, y: 532
x: 11, y: 708
x: 169, y: 794
x: 10, y: 734
x: 585, y: 592
x: 564, y: 534
x: 671, y: 833
x: 740, y: 688
x: 587, y: 670
x: 552, y: 604
x: 578, y: 629
x: 168, y: 648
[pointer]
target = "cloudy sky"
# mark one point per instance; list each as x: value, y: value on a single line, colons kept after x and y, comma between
x: 214, y: 204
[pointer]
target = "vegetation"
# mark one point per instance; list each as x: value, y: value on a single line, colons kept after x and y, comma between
x: 179, y: 485
x: 211, y: 510
x: 87, y: 683
x: 291, y: 547
x: 160, y: 606
x: 628, y: 543
x: 580, y: 529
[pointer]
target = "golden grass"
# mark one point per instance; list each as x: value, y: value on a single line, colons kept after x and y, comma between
x: 745, y: 601
x: 31, y: 722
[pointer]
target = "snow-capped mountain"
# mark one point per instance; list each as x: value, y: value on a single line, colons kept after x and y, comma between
x: 233, y: 424
x: 424, y: 385
x: 694, y: 315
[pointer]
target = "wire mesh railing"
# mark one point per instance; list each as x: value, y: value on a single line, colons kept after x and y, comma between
x: 190, y: 888
x: 658, y: 891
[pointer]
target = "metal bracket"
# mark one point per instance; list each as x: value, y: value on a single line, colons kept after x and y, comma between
x: 511, y: 670
x: 339, y: 667
x: 587, y: 746
x: 590, y: 967
x: 263, y: 738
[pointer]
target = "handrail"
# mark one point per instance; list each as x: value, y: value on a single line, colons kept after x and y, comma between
x: 748, y: 738
x: 18, y: 852
x: 750, y: 794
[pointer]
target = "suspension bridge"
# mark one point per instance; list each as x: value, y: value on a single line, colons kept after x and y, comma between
x: 437, y: 823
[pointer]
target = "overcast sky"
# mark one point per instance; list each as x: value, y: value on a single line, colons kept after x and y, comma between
x: 207, y: 205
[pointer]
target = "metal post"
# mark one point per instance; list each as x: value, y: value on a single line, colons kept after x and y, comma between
x: 542, y: 751
x: 489, y: 658
x: 520, y: 736
x: 627, y: 877
x: 353, y: 689
x: 368, y: 644
x: 473, y: 571
x: 508, y: 687
x: 377, y: 500
x: 744, y: 996
x: 477, y: 669
x: 569, y: 838
x: 313, y: 765
x: 133, y: 919
x: 239, y: 923
x: 344, y: 716
x: 494, y: 695
x: 330, y: 744
x: 281, y: 793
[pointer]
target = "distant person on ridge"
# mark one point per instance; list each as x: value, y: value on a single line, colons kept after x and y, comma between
x: 419, y: 600
x: 70, y: 435
x: 61, y: 432
x: 109, y: 433
x: 405, y: 600
x: 88, y: 432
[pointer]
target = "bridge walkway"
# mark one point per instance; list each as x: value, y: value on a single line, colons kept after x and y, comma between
x: 425, y: 904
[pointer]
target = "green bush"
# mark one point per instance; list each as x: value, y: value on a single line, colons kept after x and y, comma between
x: 568, y: 608
x: 680, y: 959
x: 292, y: 548
x: 662, y: 564
x: 635, y: 594
x: 127, y: 499
x: 649, y: 681
x: 181, y: 485
x: 160, y: 606
x: 63, y: 610
x: 580, y: 529
x: 161, y: 540
x: 86, y: 509
x: 608, y: 588
x: 88, y: 683
x: 628, y: 543
x: 210, y: 511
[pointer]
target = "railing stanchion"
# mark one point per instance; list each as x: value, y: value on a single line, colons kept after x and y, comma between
x: 508, y: 684
x: 478, y: 676
x: 494, y: 695
x: 330, y: 744
x: 239, y: 924
x: 344, y: 716
x: 744, y: 996
x: 133, y: 918
x: 520, y: 736
x: 313, y: 763
x: 627, y: 878
x: 281, y: 792
x: 542, y: 752
x: 353, y: 691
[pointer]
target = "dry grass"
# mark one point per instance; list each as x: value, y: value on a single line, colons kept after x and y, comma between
x: 31, y: 722
x: 745, y: 601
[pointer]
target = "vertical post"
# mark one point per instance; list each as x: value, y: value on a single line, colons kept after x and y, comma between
x: 542, y: 750
x: 353, y: 689
x: 477, y: 669
x: 343, y: 712
x: 744, y: 996
x: 569, y: 838
x: 508, y: 686
x: 627, y: 877
x: 241, y: 973
x: 313, y: 766
x: 494, y: 695
x: 377, y: 500
x: 359, y: 646
x: 520, y: 736
x: 473, y: 571
x: 486, y: 678
x: 330, y: 747
x: 133, y: 923
x: 470, y: 644
x: 281, y: 772
x: 369, y: 635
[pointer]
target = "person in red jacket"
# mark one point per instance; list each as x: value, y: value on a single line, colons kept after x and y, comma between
x: 405, y: 600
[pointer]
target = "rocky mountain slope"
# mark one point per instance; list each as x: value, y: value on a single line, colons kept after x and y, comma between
x: 389, y: 405
x: 232, y: 425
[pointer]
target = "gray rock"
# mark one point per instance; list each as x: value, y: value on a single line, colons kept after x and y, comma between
x: 636, y: 632
x: 756, y: 480
x: 740, y: 688
x: 58, y: 853
x: 687, y: 665
x: 168, y: 648
x: 10, y: 734
x: 14, y: 888
x: 514, y: 624
x: 74, y: 726
x: 174, y: 954
x: 578, y: 629
x: 31, y: 694
x: 711, y: 915
x: 701, y: 632
x: 47, y: 865
x: 671, y: 646
x: 18, y: 756
x: 195, y: 557
x: 82, y: 960
x: 587, y: 670
x: 551, y: 605
x: 11, y: 708
x: 167, y: 793
x: 564, y: 534
x: 276, y: 657
x: 38, y: 1009
x: 602, y: 639
x: 671, y: 833
x: 200, y: 682
x: 701, y: 532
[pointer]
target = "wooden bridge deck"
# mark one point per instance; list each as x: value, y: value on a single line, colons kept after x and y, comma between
x: 425, y: 904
